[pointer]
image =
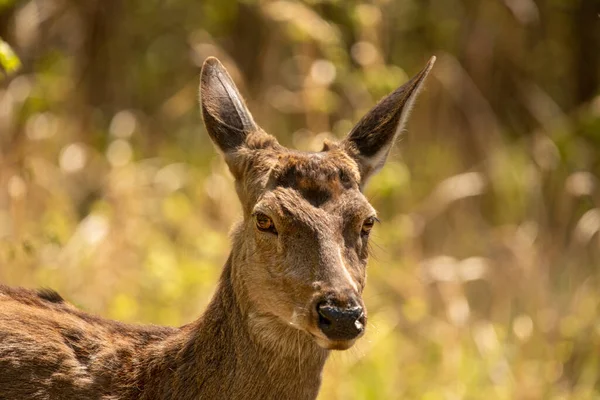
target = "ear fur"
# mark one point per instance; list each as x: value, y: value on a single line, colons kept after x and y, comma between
x: 225, y: 114
x: 371, y: 140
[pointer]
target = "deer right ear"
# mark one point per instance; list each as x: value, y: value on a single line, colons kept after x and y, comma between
x: 370, y: 141
x: 225, y: 114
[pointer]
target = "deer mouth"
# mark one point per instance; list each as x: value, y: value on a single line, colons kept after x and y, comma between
x: 329, y: 344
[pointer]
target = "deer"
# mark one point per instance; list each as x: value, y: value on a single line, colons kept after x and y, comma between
x: 289, y: 294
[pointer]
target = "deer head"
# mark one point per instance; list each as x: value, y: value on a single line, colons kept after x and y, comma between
x: 301, y: 250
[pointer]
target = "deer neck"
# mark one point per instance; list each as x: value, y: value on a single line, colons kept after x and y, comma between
x: 244, y: 355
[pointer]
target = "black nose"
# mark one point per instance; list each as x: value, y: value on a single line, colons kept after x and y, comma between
x: 341, y: 323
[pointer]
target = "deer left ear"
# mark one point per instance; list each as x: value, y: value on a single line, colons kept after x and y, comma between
x: 226, y: 116
x: 370, y: 141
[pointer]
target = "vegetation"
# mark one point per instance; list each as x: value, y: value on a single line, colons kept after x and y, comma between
x: 485, y: 278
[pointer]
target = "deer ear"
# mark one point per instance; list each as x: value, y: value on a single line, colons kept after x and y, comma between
x: 370, y: 141
x: 225, y: 114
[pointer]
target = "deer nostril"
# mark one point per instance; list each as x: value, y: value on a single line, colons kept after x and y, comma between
x: 324, y: 315
x: 328, y: 313
x: 360, y: 321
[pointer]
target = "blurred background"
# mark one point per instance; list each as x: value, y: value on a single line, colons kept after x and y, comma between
x: 485, y: 277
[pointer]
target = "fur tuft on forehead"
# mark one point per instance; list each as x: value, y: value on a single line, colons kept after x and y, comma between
x: 318, y: 177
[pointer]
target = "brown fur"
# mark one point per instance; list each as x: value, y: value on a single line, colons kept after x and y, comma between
x: 260, y: 336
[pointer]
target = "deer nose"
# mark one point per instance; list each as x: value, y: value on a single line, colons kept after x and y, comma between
x: 341, y: 323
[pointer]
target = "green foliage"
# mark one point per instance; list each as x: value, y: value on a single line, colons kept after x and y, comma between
x: 8, y: 59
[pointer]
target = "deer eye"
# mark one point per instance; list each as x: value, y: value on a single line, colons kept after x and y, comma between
x: 368, y: 225
x: 264, y: 223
